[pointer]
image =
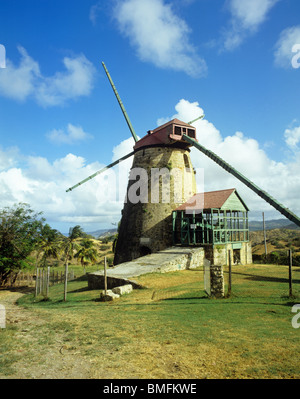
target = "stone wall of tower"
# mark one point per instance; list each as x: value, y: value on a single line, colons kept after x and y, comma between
x: 147, y: 227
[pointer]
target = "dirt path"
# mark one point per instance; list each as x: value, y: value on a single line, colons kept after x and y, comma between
x: 33, y: 359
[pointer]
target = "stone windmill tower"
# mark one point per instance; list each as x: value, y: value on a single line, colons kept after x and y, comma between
x: 166, y: 178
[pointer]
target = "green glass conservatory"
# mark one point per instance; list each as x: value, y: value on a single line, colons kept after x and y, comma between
x: 217, y: 217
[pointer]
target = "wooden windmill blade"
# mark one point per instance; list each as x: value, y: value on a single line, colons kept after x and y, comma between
x: 263, y: 194
x: 100, y: 171
x: 121, y: 104
x: 130, y: 128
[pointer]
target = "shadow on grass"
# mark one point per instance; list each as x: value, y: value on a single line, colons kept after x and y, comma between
x: 83, y: 289
x: 233, y: 300
x: 23, y: 289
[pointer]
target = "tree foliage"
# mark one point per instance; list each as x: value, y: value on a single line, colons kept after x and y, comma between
x: 20, y: 229
x: 87, y: 254
x: 49, y: 243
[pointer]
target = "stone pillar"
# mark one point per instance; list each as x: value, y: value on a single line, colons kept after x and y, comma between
x: 216, y: 281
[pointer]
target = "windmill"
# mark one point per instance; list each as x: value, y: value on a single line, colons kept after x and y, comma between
x: 146, y: 224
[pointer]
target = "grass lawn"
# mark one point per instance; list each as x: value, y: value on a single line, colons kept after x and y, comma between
x: 170, y: 329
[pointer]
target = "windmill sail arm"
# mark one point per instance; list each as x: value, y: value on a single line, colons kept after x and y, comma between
x: 121, y: 104
x: 263, y: 194
x: 100, y: 171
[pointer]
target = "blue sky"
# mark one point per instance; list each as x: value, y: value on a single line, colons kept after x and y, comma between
x: 235, y: 61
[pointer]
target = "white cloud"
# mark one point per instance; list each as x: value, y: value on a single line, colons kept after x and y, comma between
x: 8, y: 157
x: 279, y: 179
x: 292, y: 137
x: 26, y: 80
x: 284, y: 54
x: 158, y: 35
x: 18, y: 82
x: 43, y: 185
x: 246, y: 18
x: 74, y: 134
x: 94, y: 10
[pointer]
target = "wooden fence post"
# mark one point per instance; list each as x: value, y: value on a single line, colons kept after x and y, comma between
x: 47, y: 281
x: 229, y: 275
x: 66, y: 281
x: 290, y: 272
x: 36, y: 281
x: 265, y: 238
x: 105, y: 276
x: 41, y: 281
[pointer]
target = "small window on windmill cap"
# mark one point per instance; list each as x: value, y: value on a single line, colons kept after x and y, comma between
x: 191, y: 133
x: 177, y: 130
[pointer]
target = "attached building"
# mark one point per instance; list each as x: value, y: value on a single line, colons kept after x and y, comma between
x: 217, y: 221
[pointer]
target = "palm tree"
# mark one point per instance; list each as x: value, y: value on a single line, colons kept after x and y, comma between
x: 69, y: 247
x: 87, y: 254
x: 49, y: 244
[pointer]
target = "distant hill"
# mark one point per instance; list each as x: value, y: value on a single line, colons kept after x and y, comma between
x: 256, y: 225
x: 102, y: 233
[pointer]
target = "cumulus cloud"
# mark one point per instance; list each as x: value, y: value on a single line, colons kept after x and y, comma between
x: 19, y: 82
x: 279, y: 179
x: 94, y: 10
x: 8, y: 157
x: 286, y: 47
x: 73, y: 135
x: 26, y: 80
x: 292, y: 137
x: 43, y: 185
x: 246, y: 18
x: 158, y: 35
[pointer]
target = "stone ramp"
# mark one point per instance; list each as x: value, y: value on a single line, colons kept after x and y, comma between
x: 170, y: 259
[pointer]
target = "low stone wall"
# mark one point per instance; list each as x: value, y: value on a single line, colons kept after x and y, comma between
x: 188, y: 260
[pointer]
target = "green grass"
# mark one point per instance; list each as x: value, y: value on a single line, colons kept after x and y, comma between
x: 181, y: 333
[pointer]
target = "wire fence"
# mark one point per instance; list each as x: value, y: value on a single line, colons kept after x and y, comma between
x: 244, y: 282
x: 277, y: 258
x: 46, y: 278
x: 41, y: 279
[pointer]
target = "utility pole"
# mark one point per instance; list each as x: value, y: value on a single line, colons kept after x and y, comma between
x: 229, y: 275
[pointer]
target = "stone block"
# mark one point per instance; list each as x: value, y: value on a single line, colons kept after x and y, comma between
x: 109, y: 296
x: 123, y: 289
